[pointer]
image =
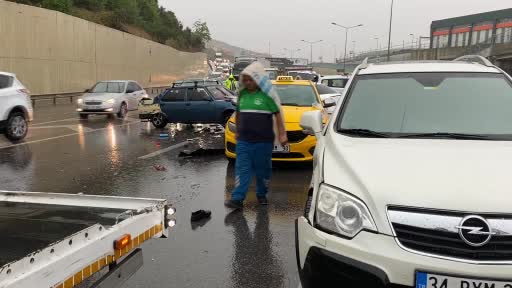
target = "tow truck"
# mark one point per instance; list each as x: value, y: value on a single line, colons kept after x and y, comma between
x: 69, y: 240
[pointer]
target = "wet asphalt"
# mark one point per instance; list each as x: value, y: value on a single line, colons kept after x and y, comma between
x: 253, y: 248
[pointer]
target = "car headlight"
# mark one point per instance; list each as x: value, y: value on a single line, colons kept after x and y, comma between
x: 80, y: 101
x: 341, y: 213
x: 111, y: 101
x: 232, y: 127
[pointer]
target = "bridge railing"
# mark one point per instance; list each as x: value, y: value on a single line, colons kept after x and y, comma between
x: 152, y: 91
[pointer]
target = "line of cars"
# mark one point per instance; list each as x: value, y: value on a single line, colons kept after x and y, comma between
x: 15, y: 107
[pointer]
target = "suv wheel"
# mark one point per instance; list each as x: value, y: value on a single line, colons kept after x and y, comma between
x: 17, y: 126
x: 159, y: 121
x: 122, y: 111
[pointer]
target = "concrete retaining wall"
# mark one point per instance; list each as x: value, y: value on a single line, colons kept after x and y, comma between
x: 52, y: 52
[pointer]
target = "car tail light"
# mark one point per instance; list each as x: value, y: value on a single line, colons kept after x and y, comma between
x: 122, y: 242
x: 24, y: 90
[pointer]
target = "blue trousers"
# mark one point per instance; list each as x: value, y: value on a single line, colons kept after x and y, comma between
x: 252, y: 159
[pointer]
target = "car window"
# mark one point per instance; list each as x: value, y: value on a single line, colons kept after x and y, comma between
x: 323, y: 89
x: 337, y: 83
x: 217, y: 93
x: 108, y: 87
x: 174, y: 95
x: 197, y: 94
x: 296, y: 95
x: 5, y: 81
x: 137, y: 87
x: 464, y: 103
x: 132, y: 87
x: 226, y: 91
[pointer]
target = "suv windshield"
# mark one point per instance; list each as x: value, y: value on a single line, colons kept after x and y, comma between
x: 429, y: 104
x: 296, y: 95
x: 108, y: 87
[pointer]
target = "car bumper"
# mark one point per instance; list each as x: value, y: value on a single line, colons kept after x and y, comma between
x: 372, y: 260
x: 99, y: 110
x: 299, y: 152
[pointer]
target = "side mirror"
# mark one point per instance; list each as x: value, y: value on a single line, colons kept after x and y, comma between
x: 329, y: 102
x: 311, y: 122
x: 128, y: 91
x: 87, y: 90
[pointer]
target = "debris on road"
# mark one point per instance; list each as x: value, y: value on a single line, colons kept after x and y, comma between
x: 160, y: 168
x: 200, y: 152
x: 200, y: 215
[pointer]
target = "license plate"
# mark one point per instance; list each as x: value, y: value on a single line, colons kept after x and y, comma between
x: 93, y: 107
x: 427, y: 280
x: 281, y: 148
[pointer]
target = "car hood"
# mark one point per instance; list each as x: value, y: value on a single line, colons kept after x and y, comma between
x: 472, y: 176
x: 292, y: 114
x: 100, y: 96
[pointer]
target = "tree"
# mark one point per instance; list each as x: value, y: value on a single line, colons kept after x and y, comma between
x: 201, y: 29
x: 58, y: 5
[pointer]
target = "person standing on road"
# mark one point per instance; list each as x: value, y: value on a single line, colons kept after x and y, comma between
x: 258, y: 107
x: 231, y: 83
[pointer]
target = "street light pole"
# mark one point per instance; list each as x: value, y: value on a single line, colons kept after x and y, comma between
x: 311, y: 43
x: 390, y: 26
x: 412, y: 40
x: 346, y: 40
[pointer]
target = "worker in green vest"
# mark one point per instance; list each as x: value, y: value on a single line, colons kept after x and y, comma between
x: 231, y: 83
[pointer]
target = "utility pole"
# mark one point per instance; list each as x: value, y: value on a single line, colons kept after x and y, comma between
x: 390, y: 27
x: 311, y: 43
x: 412, y: 40
x: 346, y: 39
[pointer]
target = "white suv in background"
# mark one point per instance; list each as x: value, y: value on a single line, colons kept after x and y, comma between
x: 412, y: 181
x: 114, y: 97
x: 15, y: 107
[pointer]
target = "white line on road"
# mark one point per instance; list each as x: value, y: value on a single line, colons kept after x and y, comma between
x: 62, y: 120
x: 63, y: 136
x: 161, y: 151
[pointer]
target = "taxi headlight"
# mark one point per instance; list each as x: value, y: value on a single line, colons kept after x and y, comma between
x: 111, y: 101
x: 341, y: 213
x: 232, y: 127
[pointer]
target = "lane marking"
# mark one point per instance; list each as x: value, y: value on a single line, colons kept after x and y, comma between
x: 42, y: 123
x: 75, y: 127
x: 161, y: 151
x: 63, y: 136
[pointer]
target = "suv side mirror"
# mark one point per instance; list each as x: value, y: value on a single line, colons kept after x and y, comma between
x: 128, y: 91
x: 329, y: 102
x: 311, y: 122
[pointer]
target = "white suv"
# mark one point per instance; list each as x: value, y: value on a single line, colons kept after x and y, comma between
x: 15, y: 107
x: 412, y: 180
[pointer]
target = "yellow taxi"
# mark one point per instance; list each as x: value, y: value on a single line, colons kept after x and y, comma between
x: 297, y: 97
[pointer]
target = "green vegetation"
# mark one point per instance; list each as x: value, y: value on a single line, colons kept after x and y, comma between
x: 141, y: 17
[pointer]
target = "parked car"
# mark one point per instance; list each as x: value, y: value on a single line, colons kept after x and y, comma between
x: 113, y: 97
x: 337, y: 82
x: 297, y: 97
x: 411, y: 184
x: 328, y: 94
x: 15, y: 107
x: 202, y: 102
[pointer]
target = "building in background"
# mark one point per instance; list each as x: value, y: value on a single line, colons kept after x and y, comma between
x: 478, y: 29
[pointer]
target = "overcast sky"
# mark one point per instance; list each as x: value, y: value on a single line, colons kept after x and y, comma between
x: 283, y: 23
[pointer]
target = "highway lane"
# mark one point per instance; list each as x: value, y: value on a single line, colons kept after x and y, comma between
x: 254, y: 248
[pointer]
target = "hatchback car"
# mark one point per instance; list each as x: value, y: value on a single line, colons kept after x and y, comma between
x: 411, y: 181
x: 297, y: 97
x: 206, y: 103
x: 111, y: 98
x: 15, y: 107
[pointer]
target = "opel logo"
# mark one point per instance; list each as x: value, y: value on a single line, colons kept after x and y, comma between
x: 475, y: 231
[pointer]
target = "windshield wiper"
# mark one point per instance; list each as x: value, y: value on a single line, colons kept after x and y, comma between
x: 364, y: 133
x: 446, y: 135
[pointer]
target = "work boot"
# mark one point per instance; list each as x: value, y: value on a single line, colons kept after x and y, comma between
x: 233, y: 204
x: 263, y: 201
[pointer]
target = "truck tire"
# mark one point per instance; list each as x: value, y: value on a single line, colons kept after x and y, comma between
x: 17, y: 126
x: 159, y: 121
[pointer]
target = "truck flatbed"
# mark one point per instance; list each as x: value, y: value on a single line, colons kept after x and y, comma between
x: 59, y: 240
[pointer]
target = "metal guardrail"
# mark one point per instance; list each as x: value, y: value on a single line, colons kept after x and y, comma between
x: 53, y: 97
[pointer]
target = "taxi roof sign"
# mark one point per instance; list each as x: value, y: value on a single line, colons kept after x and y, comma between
x: 285, y: 78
